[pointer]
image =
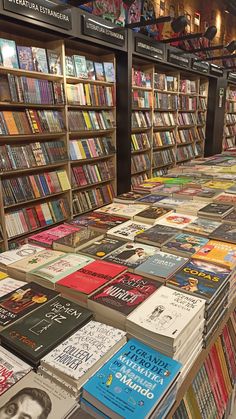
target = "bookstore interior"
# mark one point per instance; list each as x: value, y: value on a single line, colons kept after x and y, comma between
x: 118, y: 209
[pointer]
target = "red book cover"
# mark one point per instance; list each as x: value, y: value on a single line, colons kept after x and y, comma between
x: 46, y: 238
x: 50, y: 183
x: 32, y: 221
x: 23, y: 221
x: 219, y: 373
x: 214, y: 387
x: 230, y: 349
x: 217, y: 384
x: 92, y: 276
x: 40, y: 215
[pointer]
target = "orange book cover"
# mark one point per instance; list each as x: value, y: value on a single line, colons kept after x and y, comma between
x: 10, y: 122
x: 220, y: 253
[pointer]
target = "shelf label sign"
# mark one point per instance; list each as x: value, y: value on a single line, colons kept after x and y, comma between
x: 42, y: 10
x: 201, y: 66
x: 216, y: 70
x: 104, y: 31
x: 152, y: 49
x: 232, y: 76
x: 176, y: 58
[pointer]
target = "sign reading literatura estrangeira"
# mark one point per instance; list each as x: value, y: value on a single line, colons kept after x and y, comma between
x: 42, y: 10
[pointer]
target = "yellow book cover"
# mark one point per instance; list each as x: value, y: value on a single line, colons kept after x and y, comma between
x: 87, y: 94
x: 218, y: 184
x: 3, y: 275
x: 134, y: 141
x: 97, y: 173
x: 87, y: 120
x: 77, y: 150
x: 191, y: 404
x: 63, y: 179
x: 224, y: 367
x: 220, y: 253
x: 231, y: 170
x: 158, y: 179
x: 81, y: 148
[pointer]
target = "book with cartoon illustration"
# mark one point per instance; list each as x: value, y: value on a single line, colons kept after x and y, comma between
x: 176, y: 220
x: 131, y: 254
x: 161, y: 266
x: 218, y: 252
x: 128, y: 230
x: 185, y: 244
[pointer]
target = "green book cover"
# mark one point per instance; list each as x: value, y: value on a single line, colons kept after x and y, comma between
x: 8, y: 53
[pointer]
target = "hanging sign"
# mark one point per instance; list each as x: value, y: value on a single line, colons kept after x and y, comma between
x: 103, y: 31
x: 176, y: 58
x: 216, y: 70
x: 152, y: 49
x: 201, y: 66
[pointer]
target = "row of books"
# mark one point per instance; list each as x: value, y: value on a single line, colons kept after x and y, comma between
x: 29, y: 58
x: 140, y: 142
x: 141, y: 119
x: 162, y: 119
x: 89, y: 148
x: 90, y: 120
x: 201, y: 133
x: 140, y: 162
x: 29, y: 90
x: 142, y: 99
x: 30, y: 121
x: 37, y: 216
x: 165, y: 101
x: 163, y: 138
x: 231, y: 94
x: 163, y: 158
x: 31, y: 155
x: 187, y: 118
x: 201, y: 118
x: 187, y: 152
x: 83, y: 68
x: 229, y: 143
x: 138, y: 178
x: 92, y: 198
x: 230, y: 130
x: 25, y: 188
x: 187, y: 136
x: 230, y: 118
x: 202, y: 103
x: 92, y: 173
x: 84, y: 94
x: 165, y: 82
x: 188, y: 103
x: 141, y: 78
x: 231, y: 107
x: 188, y: 86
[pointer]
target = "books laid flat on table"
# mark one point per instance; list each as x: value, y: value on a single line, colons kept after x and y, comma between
x: 122, y: 210
x: 215, y: 211
x: 46, y: 238
x: 220, y: 253
x: 85, y: 281
x: 128, y: 230
x: 226, y: 232
x: 176, y: 220
x: 230, y: 218
x: 99, y: 249
x: 127, y: 198
x: 9, y: 284
x: 126, y: 371
x: 185, y: 244
x: 23, y: 300
x: 171, y: 203
x: 12, y: 369
x: 202, y: 226
x: 45, y: 328
x: 51, y: 272
x: 157, y: 235
x: 161, y: 266
x: 192, y: 208
x: 82, y: 354
x: 120, y: 297
x: 98, y: 221
x: 131, y: 254
x: 3, y: 275
x: 150, y: 199
x: 75, y: 241
x: 151, y: 215
x: 11, y: 256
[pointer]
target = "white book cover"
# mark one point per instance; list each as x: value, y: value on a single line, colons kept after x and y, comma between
x: 81, y: 351
x: 170, y: 202
x: 32, y: 262
x: 11, y: 256
x: 128, y: 230
x: 124, y: 210
x: 176, y: 220
x: 9, y: 284
x: 167, y: 312
x: 12, y: 369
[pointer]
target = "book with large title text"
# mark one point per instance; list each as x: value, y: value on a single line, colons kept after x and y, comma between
x: 12, y: 369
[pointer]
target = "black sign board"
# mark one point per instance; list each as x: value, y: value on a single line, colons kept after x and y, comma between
x: 178, y: 59
x: 201, y: 66
x: 103, y: 31
x: 232, y: 76
x: 152, y: 49
x: 216, y: 70
x: 42, y: 10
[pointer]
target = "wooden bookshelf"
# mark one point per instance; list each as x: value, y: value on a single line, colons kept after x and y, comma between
x: 229, y: 138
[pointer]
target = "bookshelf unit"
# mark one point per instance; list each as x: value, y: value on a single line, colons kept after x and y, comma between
x: 229, y: 139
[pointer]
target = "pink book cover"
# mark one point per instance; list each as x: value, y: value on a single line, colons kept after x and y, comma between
x: 49, y: 236
x: 92, y: 146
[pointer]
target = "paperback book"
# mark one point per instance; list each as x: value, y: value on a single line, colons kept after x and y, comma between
x: 151, y: 215
x: 225, y: 232
x: 11, y: 256
x: 128, y: 230
x: 185, y: 244
x: 98, y: 221
x: 8, y: 285
x: 46, y: 238
x: 202, y: 226
x: 218, y: 252
x: 176, y: 220
x: 122, y: 210
x: 99, y: 249
x: 157, y: 235
x: 215, y: 211
x: 161, y: 266
x: 12, y: 369
x: 75, y: 241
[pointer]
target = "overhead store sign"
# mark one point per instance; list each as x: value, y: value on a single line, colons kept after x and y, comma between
x: 42, y: 10
x: 201, y: 66
x: 152, y: 49
x: 176, y: 58
x: 232, y: 76
x: 103, y: 31
x: 216, y: 70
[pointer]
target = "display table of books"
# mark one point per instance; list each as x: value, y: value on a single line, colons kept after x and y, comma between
x: 128, y: 311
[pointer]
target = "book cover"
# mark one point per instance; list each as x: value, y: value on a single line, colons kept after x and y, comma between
x: 125, y: 210
x: 25, y: 58
x: 161, y: 265
x: 70, y: 68
x: 54, y: 62
x: 200, y: 278
x: 10, y: 284
x: 46, y: 328
x: 11, y: 256
x: 202, y: 226
x: 127, y: 197
x: 99, y: 70
x: 131, y: 254
x: 109, y: 71
x: 76, y: 240
x: 225, y: 232
x: 151, y: 214
x: 157, y: 235
x: 216, y: 210
x: 220, y: 253
x: 128, y: 230
x: 40, y: 59
x: 98, y: 220
x: 90, y: 70
x: 125, y: 293
x: 230, y: 218
x: 22, y: 301
x: 150, y: 199
x: 218, y: 184
x: 176, y: 220
x: 28, y: 264
x: 101, y: 248
x: 186, y: 244
x: 119, y: 386
x: 47, y: 237
x: 80, y: 66
x: 91, y: 277
x: 12, y: 369
x: 8, y: 53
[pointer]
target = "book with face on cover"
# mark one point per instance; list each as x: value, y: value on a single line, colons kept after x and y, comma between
x: 157, y: 235
x: 98, y: 221
x: 122, y: 210
x: 99, y: 249
x: 218, y: 252
x: 151, y: 215
x: 176, y: 220
x: 202, y: 226
x: 185, y: 244
x: 12, y: 369
x: 128, y: 231
x: 46, y: 238
x: 9, y: 284
x: 45, y: 328
x: 75, y: 241
x: 11, y: 256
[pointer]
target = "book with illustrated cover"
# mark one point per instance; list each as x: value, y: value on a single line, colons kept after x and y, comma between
x: 219, y: 184
x: 229, y: 219
x: 90, y: 70
x: 11, y: 256
x: 215, y: 210
x: 151, y: 214
x: 8, y: 54
x: 40, y: 59
x: 128, y: 231
x: 127, y: 198
x: 199, y: 278
x: 23, y: 300
x: 132, y: 400
x: 80, y: 66
x: 161, y: 266
x: 99, y: 249
x: 70, y: 68
x: 218, y: 252
x: 46, y: 238
x: 75, y: 241
x: 185, y: 244
x: 12, y: 369
x: 54, y: 62
x: 150, y: 199
x: 98, y: 220
x: 193, y: 208
x: 109, y: 71
x: 176, y: 220
x: 226, y: 232
x: 8, y: 285
x: 99, y: 71
x: 202, y: 226
x: 171, y: 203
x: 46, y: 328
x: 157, y: 235
x: 122, y: 210
x: 226, y: 198
x: 3, y: 275
x: 25, y: 58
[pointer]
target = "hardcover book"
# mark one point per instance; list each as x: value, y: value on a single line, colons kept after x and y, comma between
x: 122, y: 371
x: 151, y: 215
x: 199, y: 278
x: 21, y: 301
x: 98, y: 220
x: 202, y: 226
x: 40, y: 59
x: 176, y: 220
x: 215, y: 210
x: 225, y: 232
x: 12, y: 369
x: 8, y: 54
x: 75, y: 241
x: 128, y: 230
x: 185, y: 244
x: 157, y: 235
x: 218, y: 252
x: 11, y: 256
x: 46, y: 328
x: 8, y: 285
x: 109, y: 72
x: 46, y: 238
x: 161, y: 266
x: 102, y: 248
x: 80, y: 66
x: 25, y: 58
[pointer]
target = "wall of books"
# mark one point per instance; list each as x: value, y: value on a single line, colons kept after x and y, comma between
x: 230, y: 118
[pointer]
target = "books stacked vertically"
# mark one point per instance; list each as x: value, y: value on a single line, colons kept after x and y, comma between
x: 88, y: 148
x: 45, y: 328
x: 100, y: 221
x: 99, y: 249
x: 101, y: 343
x: 157, y: 235
x: 170, y: 322
x: 47, y: 238
x: 10, y: 284
x: 9, y: 257
x: 74, y: 242
x: 92, y: 198
x: 128, y: 231
x: 215, y: 211
x: 185, y: 244
x: 123, y: 210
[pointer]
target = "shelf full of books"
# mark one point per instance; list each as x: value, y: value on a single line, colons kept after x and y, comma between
x: 229, y: 139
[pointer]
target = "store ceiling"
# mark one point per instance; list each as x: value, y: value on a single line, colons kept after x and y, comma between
x: 231, y: 6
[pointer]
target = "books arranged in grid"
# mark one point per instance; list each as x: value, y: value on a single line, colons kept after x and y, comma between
x: 77, y: 240
x: 142, y: 99
x: 151, y: 214
x: 202, y: 226
x: 11, y: 256
x: 25, y: 188
x: 186, y: 136
x: 150, y: 199
x: 201, y: 118
x: 92, y: 198
x: 131, y: 255
x: 90, y: 147
x: 176, y: 220
x: 185, y: 153
x: 188, y: 86
x: 101, y: 342
x: 123, y: 210
x: 22, y: 89
x: 88, y: 174
x: 37, y: 216
x: 141, y: 119
x: 22, y: 301
x: 9, y: 284
x: 90, y: 120
x: 79, y: 66
x: 165, y: 101
x: 185, y: 244
x: 12, y: 369
x: 90, y: 95
x: 128, y: 230
x: 163, y: 138
x: 165, y: 82
x: 163, y: 119
x: 140, y: 162
x: 157, y: 235
x: 163, y: 158
x: 31, y: 121
x: 121, y: 297
x: 99, y: 249
x: 187, y: 118
x: 97, y: 221
x: 141, y: 78
x: 102, y: 395
x: 140, y: 142
x: 161, y: 266
x: 85, y: 281
x: 218, y: 252
x: 215, y: 211
x: 187, y: 103
x: 45, y: 328
x: 230, y: 218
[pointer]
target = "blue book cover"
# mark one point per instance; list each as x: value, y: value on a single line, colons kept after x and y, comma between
x: 151, y: 199
x: 162, y: 265
x: 133, y: 381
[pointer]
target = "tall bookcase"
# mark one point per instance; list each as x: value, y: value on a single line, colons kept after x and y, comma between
x: 230, y: 118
